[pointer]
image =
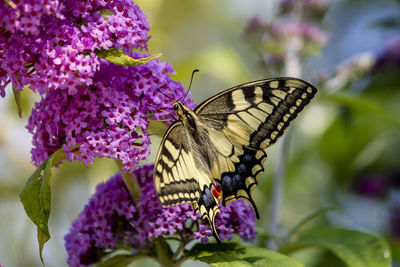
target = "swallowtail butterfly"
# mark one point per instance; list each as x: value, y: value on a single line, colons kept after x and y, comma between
x: 216, y: 151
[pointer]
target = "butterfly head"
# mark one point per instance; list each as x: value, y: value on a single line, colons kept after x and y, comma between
x: 185, y: 115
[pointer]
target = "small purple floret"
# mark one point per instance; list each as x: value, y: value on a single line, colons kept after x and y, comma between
x: 111, y: 219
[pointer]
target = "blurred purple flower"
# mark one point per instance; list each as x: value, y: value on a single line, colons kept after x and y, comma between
x: 51, y: 45
x: 313, y: 9
x: 389, y: 57
x: 377, y: 184
x: 107, y: 119
x: 395, y: 222
x: 281, y: 31
x: 372, y: 185
x: 383, y: 185
x: 254, y: 25
x: 111, y: 219
x: 308, y: 32
x: 273, y: 40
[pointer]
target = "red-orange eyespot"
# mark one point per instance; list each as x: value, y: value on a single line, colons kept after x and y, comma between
x: 215, y: 193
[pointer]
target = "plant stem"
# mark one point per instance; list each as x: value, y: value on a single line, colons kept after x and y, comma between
x: 130, y: 182
x: 277, y: 188
x: 178, y: 251
x: 292, y: 69
x: 164, y: 254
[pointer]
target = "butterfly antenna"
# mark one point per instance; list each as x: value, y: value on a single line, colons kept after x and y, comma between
x: 190, y: 84
x: 167, y: 96
x: 164, y: 111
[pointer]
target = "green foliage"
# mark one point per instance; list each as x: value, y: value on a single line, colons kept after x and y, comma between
x: 10, y: 3
x: 349, y: 144
x: 17, y: 98
x: 231, y: 254
x: 36, y: 198
x: 120, y: 258
x: 309, y: 217
x: 118, y: 57
x: 157, y: 127
x: 356, y: 249
x: 367, y: 107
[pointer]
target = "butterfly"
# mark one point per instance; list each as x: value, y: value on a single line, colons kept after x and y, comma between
x: 215, y: 152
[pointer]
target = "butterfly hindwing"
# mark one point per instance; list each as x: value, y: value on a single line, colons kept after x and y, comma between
x: 238, y: 183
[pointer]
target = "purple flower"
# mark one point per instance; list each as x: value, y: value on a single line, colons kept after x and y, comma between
x: 309, y: 8
x: 107, y: 119
x: 395, y: 222
x: 50, y: 45
x: 111, y: 219
x: 308, y: 32
x: 373, y: 185
x: 376, y: 184
x: 274, y: 39
x: 277, y: 33
x: 389, y: 57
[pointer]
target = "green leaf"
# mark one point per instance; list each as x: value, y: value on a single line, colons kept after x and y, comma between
x: 231, y: 254
x: 118, y: 261
x: 17, y: 97
x: 10, y: 3
x: 366, y: 105
x: 106, y: 13
x: 36, y: 198
x: 157, y: 127
x: 118, y: 57
x: 354, y: 248
x: 58, y: 156
x: 314, y: 214
x: 42, y: 239
x: 120, y: 258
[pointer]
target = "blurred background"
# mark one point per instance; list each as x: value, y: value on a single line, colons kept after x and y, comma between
x: 344, y: 149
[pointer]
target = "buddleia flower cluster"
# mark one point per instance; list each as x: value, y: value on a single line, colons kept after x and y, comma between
x: 51, y: 45
x: 111, y: 220
x: 89, y: 107
x: 107, y: 119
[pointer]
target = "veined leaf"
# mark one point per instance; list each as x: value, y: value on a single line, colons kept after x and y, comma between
x: 36, y: 198
x: 354, y: 248
x: 118, y: 57
x: 231, y: 254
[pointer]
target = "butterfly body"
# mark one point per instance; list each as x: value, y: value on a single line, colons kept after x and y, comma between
x: 216, y: 151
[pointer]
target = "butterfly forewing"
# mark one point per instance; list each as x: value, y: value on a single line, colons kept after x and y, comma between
x: 174, y: 172
x: 256, y: 114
